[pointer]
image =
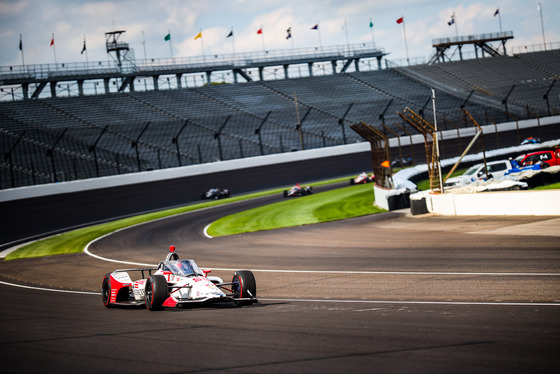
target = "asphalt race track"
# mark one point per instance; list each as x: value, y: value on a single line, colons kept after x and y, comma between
x: 389, y: 293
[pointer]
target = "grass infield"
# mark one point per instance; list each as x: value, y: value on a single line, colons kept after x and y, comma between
x: 352, y: 201
x: 347, y: 202
x: 75, y: 241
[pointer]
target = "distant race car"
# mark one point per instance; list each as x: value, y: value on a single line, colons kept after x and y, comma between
x: 215, y: 194
x: 297, y: 191
x: 402, y: 162
x: 531, y: 140
x: 362, y: 178
x: 176, y: 283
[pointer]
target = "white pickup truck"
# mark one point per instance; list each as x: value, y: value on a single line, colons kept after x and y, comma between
x: 496, y: 170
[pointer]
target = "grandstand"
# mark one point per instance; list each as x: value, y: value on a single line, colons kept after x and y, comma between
x: 76, y: 137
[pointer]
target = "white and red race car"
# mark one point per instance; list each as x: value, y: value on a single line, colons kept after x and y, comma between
x: 362, y: 178
x: 297, y: 191
x: 176, y: 283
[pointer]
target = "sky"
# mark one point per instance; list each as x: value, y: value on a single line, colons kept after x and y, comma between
x: 340, y: 22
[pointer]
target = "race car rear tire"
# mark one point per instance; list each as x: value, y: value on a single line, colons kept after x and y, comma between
x: 156, y: 292
x: 244, y: 286
x: 106, y: 290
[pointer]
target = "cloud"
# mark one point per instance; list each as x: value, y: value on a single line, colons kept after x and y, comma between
x: 150, y: 21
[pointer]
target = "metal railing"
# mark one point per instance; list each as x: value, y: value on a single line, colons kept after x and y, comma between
x: 226, y: 60
x: 470, y: 38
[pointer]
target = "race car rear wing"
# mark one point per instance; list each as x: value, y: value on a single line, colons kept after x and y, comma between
x: 142, y: 270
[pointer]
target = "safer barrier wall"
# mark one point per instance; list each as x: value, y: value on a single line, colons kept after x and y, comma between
x: 533, y: 203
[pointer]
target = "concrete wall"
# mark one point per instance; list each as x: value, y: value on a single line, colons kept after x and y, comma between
x: 178, y: 172
x: 534, y: 203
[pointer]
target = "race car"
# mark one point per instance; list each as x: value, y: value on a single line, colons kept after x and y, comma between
x: 362, y: 178
x: 176, y: 283
x: 215, y: 194
x: 297, y: 190
x: 531, y: 140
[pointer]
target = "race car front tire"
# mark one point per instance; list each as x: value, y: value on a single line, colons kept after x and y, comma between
x: 244, y: 286
x: 106, y: 290
x: 156, y: 292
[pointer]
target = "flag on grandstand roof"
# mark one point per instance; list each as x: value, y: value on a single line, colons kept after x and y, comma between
x: 497, y: 12
x: 199, y: 35
x: 316, y: 27
x: 289, y: 32
x: 83, y: 48
x: 400, y: 20
x: 230, y: 34
x: 52, y: 41
x: 259, y: 31
x: 452, y: 21
x: 167, y: 37
x: 370, y: 23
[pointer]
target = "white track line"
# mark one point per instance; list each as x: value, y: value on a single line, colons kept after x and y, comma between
x: 205, y: 231
x: 401, y: 302
x: 414, y: 302
x: 395, y: 272
x: 86, y: 251
x: 49, y: 289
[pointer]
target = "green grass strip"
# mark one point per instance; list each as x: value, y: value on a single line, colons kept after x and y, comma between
x: 352, y: 201
x: 554, y: 186
x: 75, y: 241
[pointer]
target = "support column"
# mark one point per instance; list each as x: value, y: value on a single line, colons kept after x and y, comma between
x: 25, y: 89
x: 106, y: 84
x: 261, y: 73
x: 357, y: 64
x: 179, y: 77
x: 333, y: 63
x: 286, y: 71
x: 80, y: 87
x: 53, y: 89
x: 208, y: 78
x: 310, y: 67
x: 156, y: 84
